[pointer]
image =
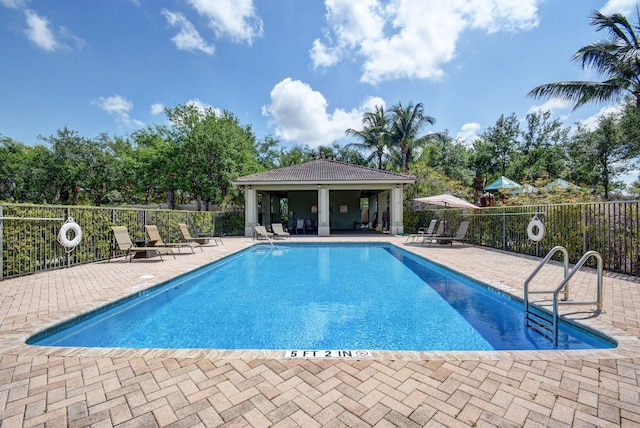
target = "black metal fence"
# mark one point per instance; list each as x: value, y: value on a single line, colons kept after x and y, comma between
x: 28, y: 233
x: 611, y: 228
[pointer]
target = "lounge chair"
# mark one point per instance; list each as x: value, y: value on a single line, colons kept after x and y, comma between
x: 260, y: 231
x: 441, y: 230
x: 422, y: 231
x: 123, y: 243
x: 154, y: 235
x: 201, y: 240
x: 461, y: 235
x: 278, y: 231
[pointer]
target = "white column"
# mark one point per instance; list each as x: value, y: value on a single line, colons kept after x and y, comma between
x: 250, y: 210
x: 323, y: 212
x: 395, y: 211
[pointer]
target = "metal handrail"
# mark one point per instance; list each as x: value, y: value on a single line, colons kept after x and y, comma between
x: 265, y: 235
x: 544, y: 261
x: 598, y: 301
x: 564, y: 285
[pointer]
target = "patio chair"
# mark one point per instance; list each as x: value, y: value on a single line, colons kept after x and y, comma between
x: 123, y: 243
x: 260, y: 232
x: 422, y: 231
x: 300, y: 225
x: 154, y: 235
x: 461, y: 235
x: 278, y: 231
x: 201, y: 240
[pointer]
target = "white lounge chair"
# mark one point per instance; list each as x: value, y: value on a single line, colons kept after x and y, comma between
x: 260, y: 231
x: 278, y: 231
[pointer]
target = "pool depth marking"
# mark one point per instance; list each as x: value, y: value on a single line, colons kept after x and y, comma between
x: 359, y: 354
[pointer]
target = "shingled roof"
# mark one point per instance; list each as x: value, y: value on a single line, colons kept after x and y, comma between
x: 323, y: 171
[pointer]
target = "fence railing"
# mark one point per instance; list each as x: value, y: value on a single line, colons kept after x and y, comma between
x: 28, y: 233
x: 611, y: 228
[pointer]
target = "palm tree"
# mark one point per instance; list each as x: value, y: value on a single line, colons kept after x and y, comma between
x: 374, y: 134
x: 406, y: 125
x: 617, y: 60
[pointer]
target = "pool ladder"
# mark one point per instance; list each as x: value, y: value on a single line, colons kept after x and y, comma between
x: 541, y: 319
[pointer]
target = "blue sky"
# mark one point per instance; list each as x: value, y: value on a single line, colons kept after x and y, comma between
x: 302, y: 71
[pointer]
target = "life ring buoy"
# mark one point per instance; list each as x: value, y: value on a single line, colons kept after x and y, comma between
x: 64, y: 240
x: 533, y: 235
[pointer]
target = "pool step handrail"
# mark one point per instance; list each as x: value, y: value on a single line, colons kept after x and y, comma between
x: 552, y: 324
x: 267, y: 236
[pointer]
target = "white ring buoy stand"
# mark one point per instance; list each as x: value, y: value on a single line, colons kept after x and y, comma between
x: 536, y: 236
x: 64, y: 240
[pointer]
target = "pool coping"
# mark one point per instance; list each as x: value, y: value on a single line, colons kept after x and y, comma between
x: 14, y: 342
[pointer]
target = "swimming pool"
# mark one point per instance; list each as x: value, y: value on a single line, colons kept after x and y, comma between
x: 316, y: 296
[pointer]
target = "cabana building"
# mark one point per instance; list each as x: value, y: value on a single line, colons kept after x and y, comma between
x: 327, y: 195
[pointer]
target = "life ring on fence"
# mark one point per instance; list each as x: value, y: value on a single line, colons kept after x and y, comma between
x: 536, y: 236
x: 64, y: 240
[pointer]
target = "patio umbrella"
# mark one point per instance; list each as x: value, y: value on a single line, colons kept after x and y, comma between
x: 525, y: 188
x: 560, y: 184
x: 446, y: 200
x: 501, y: 183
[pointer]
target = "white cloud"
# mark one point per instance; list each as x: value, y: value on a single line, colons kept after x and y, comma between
x: 591, y: 122
x: 38, y: 32
x: 157, y: 108
x: 469, y: 132
x: 411, y: 38
x: 119, y: 107
x: 300, y: 114
x: 625, y: 7
x: 552, y: 105
x: 236, y: 19
x: 14, y: 4
x: 188, y: 38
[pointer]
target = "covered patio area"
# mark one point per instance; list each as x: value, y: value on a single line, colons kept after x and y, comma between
x: 325, y: 196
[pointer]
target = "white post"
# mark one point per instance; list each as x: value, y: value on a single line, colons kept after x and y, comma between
x: 324, y: 228
x: 250, y: 210
x: 395, y: 211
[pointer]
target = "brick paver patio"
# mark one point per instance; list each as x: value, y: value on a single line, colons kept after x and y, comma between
x: 42, y: 386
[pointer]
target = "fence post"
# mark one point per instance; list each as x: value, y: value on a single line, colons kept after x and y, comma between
x: 504, y: 229
x: 584, y: 229
x: 68, y: 253
x: 1, y: 244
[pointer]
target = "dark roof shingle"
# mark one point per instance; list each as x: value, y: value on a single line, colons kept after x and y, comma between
x: 321, y: 171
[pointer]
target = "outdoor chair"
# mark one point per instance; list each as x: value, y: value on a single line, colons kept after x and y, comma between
x: 154, y: 235
x: 300, y: 225
x: 260, y: 232
x: 461, y: 236
x: 278, y: 231
x: 201, y: 240
x: 124, y: 243
x: 422, y: 231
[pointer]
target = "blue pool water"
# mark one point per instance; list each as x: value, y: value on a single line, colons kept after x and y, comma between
x: 301, y: 296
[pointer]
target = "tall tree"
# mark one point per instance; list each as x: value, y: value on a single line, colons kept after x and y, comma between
x: 374, y: 134
x: 406, y: 125
x: 616, y: 59
x: 502, y: 139
x: 541, y: 150
x: 599, y: 155
x: 214, y: 149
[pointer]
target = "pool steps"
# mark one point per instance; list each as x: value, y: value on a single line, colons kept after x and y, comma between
x: 545, y: 321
